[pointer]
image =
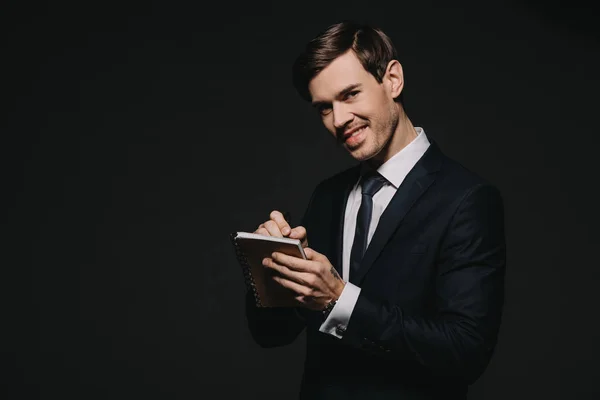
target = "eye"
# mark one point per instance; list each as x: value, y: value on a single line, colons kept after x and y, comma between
x: 351, y: 94
x: 324, y: 110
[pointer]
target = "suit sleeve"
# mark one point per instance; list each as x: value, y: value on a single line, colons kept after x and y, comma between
x: 274, y: 327
x: 457, y: 339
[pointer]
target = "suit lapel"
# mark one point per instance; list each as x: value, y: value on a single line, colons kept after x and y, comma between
x: 414, y: 185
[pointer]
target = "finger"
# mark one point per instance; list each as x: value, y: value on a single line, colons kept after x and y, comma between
x: 294, y: 263
x: 303, y: 291
x: 302, y: 278
x: 298, y: 232
x: 314, y: 255
x: 273, y: 228
x: 321, y: 264
x: 283, y: 225
x: 262, y: 230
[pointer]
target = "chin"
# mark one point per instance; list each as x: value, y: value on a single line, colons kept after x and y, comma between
x: 361, y: 154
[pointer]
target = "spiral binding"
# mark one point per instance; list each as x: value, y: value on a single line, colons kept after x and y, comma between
x: 243, y: 260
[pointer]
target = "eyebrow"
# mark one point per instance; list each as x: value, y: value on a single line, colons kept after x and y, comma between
x: 341, y: 93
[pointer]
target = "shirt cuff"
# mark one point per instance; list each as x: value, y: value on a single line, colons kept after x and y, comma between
x: 337, y: 321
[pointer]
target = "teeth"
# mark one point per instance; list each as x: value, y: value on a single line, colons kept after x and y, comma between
x: 358, y: 131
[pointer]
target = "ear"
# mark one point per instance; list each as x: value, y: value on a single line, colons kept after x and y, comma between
x: 394, y: 78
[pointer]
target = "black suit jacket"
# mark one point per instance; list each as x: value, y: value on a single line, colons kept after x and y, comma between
x: 432, y: 289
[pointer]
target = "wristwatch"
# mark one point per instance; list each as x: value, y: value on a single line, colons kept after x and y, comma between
x: 328, y: 309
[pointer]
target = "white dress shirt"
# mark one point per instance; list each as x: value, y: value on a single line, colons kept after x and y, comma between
x: 394, y: 171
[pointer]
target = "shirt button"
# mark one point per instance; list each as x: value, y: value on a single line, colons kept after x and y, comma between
x: 340, y: 330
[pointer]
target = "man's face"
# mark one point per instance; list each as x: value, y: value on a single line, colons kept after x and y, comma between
x: 359, y: 111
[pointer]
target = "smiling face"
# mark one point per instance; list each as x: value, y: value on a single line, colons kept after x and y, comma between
x: 358, y: 110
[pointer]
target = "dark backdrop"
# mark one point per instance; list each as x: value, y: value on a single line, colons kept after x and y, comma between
x: 137, y: 136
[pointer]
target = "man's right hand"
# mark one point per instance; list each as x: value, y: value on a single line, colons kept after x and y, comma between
x: 278, y: 226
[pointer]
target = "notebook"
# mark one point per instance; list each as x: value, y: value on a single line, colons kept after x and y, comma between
x: 251, y: 249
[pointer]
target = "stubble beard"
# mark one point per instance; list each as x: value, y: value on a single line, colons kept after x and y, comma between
x: 389, y: 128
x: 381, y: 136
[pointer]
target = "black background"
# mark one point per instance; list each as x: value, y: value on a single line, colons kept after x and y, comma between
x: 137, y: 136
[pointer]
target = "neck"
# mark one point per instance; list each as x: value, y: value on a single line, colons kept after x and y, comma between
x: 403, y: 134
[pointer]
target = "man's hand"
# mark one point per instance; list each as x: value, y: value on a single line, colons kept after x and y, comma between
x: 315, y: 280
x: 278, y: 226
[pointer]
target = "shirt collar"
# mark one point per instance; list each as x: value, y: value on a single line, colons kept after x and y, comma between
x: 396, y: 168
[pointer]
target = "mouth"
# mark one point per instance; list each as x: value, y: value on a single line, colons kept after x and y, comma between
x: 354, y: 132
x: 354, y: 137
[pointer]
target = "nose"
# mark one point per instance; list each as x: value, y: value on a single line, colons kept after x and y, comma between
x: 341, y: 115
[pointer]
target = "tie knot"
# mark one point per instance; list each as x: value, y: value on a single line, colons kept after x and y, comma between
x: 371, y: 183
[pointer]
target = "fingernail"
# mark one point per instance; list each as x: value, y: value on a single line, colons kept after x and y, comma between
x: 286, y: 231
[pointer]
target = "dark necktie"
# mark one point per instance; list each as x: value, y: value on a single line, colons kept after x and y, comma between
x: 370, y: 185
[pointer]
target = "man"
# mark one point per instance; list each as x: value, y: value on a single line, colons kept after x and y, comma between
x: 402, y: 291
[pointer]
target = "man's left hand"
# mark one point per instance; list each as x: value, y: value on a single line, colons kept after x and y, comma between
x: 315, y: 280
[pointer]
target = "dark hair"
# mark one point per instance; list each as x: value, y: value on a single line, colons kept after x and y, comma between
x: 373, y: 48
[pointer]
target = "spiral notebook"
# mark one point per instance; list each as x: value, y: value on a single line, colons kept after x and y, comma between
x: 251, y: 249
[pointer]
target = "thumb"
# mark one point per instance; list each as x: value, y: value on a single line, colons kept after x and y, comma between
x: 298, y: 232
x: 310, y: 253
